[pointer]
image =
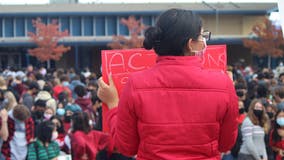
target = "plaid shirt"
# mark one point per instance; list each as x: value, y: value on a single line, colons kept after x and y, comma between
x: 29, y: 126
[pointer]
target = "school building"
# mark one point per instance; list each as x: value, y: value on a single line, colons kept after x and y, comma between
x: 91, y: 27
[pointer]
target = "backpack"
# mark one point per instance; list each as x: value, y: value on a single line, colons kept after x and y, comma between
x: 236, y: 148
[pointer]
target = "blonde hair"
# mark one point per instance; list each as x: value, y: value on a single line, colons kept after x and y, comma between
x: 12, y: 102
x: 264, y: 122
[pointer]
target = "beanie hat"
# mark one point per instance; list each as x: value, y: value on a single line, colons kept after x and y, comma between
x: 73, y: 107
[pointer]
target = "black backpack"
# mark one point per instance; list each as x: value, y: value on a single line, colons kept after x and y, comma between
x: 236, y: 149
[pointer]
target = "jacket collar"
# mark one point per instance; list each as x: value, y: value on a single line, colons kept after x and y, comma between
x: 179, y: 60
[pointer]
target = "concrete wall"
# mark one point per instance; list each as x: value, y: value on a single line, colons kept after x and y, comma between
x: 239, y: 25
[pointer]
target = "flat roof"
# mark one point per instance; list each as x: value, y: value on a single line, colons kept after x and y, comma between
x: 97, y: 8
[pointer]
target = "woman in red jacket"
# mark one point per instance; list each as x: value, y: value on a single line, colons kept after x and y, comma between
x: 176, y: 109
x: 86, y: 144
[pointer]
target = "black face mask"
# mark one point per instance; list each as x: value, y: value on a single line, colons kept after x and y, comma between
x: 38, y: 114
x: 240, y: 93
x: 67, y: 119
x: 258, y: 113
x: 241, y: 110
x: 270, y: 115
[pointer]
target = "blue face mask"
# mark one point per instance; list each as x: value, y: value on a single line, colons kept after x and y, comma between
x: 280, y: 121
x: 60, y: 111
x: 65, y: 84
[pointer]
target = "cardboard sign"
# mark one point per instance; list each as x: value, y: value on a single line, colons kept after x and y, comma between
x: 120, y: 63
x: 281, y: 12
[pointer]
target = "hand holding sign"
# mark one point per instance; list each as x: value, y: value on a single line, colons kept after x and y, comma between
x: 108, y: 93
x: 120, y: 63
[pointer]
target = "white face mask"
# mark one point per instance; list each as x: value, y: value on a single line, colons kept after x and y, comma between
x: 54, y: 135
x: 201, y: 52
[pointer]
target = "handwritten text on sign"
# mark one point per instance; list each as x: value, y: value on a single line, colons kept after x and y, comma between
x: 215, y: 58
x: 120, y: 63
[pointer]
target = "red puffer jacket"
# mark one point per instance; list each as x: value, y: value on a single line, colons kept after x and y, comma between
x: 176, y: 111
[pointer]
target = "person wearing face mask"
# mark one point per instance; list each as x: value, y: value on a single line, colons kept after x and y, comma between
x: 253, y: 130
x: 271, y: 111
x: 45, y: 147
x: 56, y: 120
x: 140, y: 119
x: 60, y: 112
x: 38, y: 112
x: 48, y: 113
x: 70, y: 109
x: 242, y: 112
x: 277, y: 135
x: 233, y: 153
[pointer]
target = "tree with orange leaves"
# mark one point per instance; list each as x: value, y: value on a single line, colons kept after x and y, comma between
x: 268, y: 41
x: 46, y: 38
x: 135, y: 28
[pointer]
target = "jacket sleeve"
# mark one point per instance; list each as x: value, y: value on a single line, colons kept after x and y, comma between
x: 77, y: 147
x: 229, y: 124
x: 123, y: 123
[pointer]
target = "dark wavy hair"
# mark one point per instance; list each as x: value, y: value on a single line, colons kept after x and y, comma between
x: 44, y: 131
x: 275, y: 136
x: 60, y: 129
x: 80, y: 121
x: 80, y: 90
x: 172, y: 31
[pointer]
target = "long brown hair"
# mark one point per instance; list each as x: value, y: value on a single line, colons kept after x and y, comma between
x: 264, y: 122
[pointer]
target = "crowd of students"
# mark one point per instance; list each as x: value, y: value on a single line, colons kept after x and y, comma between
x: 261, y: 114
x: 49, y: 113
x: 45, y: 114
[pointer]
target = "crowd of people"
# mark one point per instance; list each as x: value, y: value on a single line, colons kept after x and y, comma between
x: 261, y: 113
x: 170, y: 111
x: 46, y: 114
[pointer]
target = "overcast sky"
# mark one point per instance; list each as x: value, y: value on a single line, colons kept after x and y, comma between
x: 126, y: 1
